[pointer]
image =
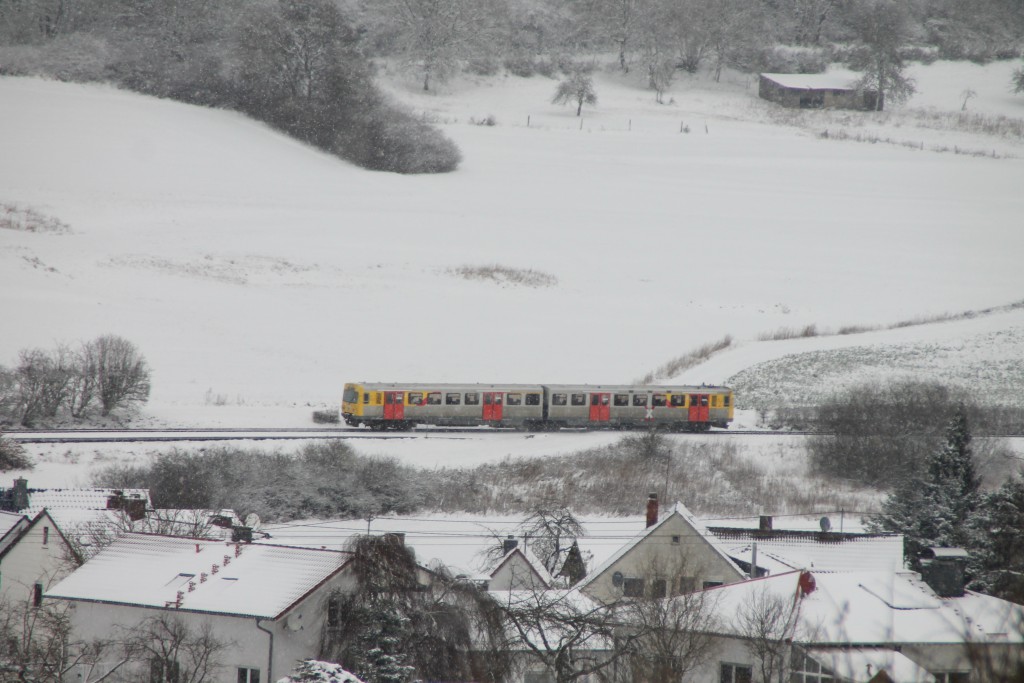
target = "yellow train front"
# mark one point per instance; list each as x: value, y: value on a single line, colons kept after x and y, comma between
x: 537, y: 406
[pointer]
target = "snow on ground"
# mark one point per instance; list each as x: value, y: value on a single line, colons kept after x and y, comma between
x: 254, y: 272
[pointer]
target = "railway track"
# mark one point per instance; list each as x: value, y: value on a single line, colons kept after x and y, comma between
x: 42, y: 436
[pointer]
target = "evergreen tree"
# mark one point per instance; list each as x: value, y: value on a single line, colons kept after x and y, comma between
x: 999, y: 542
x: 935, y: 508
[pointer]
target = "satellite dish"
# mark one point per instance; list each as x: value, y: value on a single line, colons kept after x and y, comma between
x: 826, y: 524
x: 617, y: 579
x: 252, y: 520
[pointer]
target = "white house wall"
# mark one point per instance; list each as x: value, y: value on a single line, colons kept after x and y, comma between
x: 39, y: 556
x: 297, y: 634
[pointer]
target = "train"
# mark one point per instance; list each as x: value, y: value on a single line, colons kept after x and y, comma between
x: 537, y: 407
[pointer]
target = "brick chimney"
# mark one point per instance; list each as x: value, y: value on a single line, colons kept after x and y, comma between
x: 19, y: 494
x: 652, y: 509
x: 943, y: 570
x: 509, y: 544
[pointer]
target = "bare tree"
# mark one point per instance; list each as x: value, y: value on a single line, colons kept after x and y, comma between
x: 41, y: 380
x: 36, y: 645
x: 578, y: 88
x: 882, y: 27
x: 435, y: 36
x: 122, y: 376
x: 674, y: 623
x: 176, y: 652
x: 570, y: 634
x: 550, y: 530
x: 768, y: 623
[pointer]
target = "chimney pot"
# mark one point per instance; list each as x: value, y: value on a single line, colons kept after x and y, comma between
x: 652, y: 509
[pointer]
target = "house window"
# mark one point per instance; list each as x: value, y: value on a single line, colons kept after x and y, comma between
x: 453, y: 399
x: 950, y: 677
x: 558, y: 399
x: 622, y: 399
x: 633, y: 588
x: 659, y: 588
x: 472, y: 398
x: 803, y: 669
x: 46, y: 535
x: 538, y: 677
x: 514, y: 400
x: 676, y: 540
x: 687, y: 584
x: 736, y: 673
x: 533, y: 399
x: 711, y: 584
x: 246, y: 675
x: 37, y: 595
x: 579, y: 400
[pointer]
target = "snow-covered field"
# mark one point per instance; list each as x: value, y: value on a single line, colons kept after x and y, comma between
x: 258, y: 275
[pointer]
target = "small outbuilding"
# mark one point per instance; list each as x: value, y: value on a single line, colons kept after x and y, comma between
x: 817, y: 91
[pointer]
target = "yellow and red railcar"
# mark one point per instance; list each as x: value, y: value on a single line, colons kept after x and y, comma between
x: 537, y: 406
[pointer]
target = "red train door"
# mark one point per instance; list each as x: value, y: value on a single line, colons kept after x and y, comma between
x: 699, y: 411
x: 394, y: 405
x: 599, y: 407
x: 493, y: 405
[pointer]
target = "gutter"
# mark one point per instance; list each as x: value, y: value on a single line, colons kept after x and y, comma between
x: 270, y: 653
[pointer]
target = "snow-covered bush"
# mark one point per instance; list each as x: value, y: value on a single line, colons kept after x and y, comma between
x: 312, y: 671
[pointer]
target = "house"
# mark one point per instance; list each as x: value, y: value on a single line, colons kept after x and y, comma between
x: 672, y: 555
x: 816, y: 91
x: 38, y: 557
x: 862, y: 627
x: 267, y: 604
x: 519, y: 569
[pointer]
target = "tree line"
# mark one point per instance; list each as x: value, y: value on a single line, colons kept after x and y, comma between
x: 96, y: 376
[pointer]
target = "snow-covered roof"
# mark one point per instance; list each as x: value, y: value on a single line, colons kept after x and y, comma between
x: 259, y: 580
x: 861, y: 665
x: 559, y: 604
x: 9, y: 522
x: 828, y: 81
x: 866, y: 553
x: 81, y: 499
x: 679, y: 510
x: 876, y: 608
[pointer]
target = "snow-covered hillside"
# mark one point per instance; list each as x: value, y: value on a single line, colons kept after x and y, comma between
x: 253, y: 270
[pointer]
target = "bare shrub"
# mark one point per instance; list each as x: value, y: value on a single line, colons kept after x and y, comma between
x: 13, y: 456
x: 687, y: 360
x: 27, y: 219
x: 879, y: 434
x: 790, y: 333
x: 505, y: 275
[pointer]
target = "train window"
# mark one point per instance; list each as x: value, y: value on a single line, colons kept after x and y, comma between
x: 472, y: 398
x: 703, y: 399
x: 366, y: 397
x: 350, y: 396
x: 533, y: 399
x: 640, y: 400
x: 622, y: 399
x: 434, y: 398
x: 658, y: 400
x: 415, y: 398
x: 604, y: 399
x: 514, y: 400
x: 579, y: 400
x: 453, y: 399
x: 678, y: 400
x: 558, y: 399
x: 726, y: 397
